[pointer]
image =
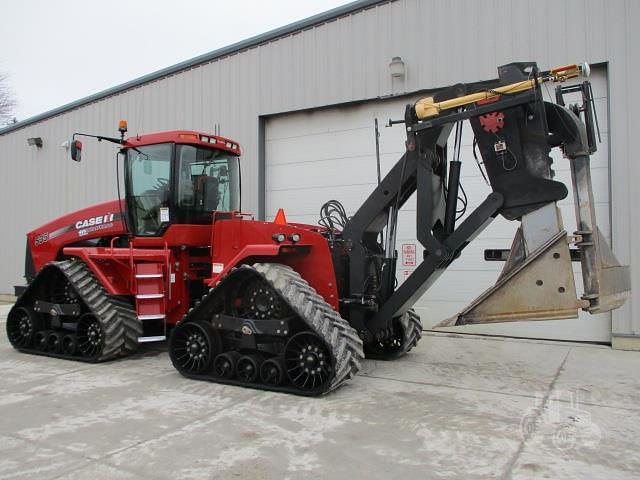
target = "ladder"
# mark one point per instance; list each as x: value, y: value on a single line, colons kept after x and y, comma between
x: 151, y: 302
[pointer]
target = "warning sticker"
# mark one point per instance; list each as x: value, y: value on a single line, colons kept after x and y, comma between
x: 408, y: 254
x: 217, y: 267
x: 164, y: 215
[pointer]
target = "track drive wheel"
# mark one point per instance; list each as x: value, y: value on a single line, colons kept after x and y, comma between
x: 90, y: 336
x: 261, y: 301
x: 308, y: 361
x: 22, y: 324
x: 193, y: 346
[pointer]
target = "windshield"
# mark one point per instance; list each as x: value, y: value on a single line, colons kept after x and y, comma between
x: 148, y: 173
x: 160, y: 191
x: 208, y: 181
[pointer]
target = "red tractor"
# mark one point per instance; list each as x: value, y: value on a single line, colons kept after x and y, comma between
x: 295, y: 308
x: 106, y: 278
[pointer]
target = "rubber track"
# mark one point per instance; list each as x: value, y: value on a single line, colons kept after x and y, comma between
x: 120, y: 325
x: 412, y: 328
x: 345, y: 344
x: 412, y: 333
x: 339, y: 336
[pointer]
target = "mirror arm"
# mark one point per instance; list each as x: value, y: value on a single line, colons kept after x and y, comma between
x: 99, y: 137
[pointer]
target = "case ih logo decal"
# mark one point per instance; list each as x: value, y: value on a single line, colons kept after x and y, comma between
x: 90, y: 222
x: 83, y: 227
x: 101, y: 222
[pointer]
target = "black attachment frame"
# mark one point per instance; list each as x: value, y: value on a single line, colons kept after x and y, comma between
x: 590, y: 115
x: 370, y: 300
x: 57, y: 309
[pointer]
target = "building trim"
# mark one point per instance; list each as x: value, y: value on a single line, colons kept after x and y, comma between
x: 262, y: 183
x: 232, y: 49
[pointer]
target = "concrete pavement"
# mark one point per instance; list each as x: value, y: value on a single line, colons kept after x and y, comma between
x: 4, y: 310
x: 455, y: 407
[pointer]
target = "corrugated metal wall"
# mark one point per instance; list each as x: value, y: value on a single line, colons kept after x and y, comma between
x: 345, y: 59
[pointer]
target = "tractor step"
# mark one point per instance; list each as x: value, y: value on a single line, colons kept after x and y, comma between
x: 151, y: 302
x: 159, y: 316
x: 155, y: 338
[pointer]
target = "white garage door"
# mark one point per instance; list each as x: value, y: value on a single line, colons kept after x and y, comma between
x: 312, y: 157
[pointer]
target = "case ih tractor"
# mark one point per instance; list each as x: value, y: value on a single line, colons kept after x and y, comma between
x: 295, y: 308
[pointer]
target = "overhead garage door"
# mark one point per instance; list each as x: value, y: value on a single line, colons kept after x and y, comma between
x: 315, y: 156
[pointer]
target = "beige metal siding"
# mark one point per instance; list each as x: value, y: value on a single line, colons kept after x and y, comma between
x: 346, y: 59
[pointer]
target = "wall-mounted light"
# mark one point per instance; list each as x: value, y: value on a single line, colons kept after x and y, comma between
x: 396, y: 67
x: 34, y: 141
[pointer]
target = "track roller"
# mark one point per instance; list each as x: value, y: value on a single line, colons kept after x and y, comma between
x: 40, y: 340
x: 248, y: 367
x: 272, y: 371
x: 69, y: 344
x: 54, y: 342
x: 225, y: 364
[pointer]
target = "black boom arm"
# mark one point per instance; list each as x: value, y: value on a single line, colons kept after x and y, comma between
x: 509, y: 122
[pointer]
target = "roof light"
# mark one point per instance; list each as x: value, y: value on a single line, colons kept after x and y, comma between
x: 206, y: 139
x: 188, y: 136
x: 122, y: 126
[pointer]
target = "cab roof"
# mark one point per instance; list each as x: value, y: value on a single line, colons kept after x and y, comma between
x: 188, y: 137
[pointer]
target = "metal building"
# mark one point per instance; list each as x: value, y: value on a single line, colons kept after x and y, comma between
x: 302, y: 100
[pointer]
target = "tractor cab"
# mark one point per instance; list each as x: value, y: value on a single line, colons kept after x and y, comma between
x: 179, y: 177
x: 174, y: 177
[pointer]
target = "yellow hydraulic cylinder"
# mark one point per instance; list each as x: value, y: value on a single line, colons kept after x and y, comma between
x: 428, y: 107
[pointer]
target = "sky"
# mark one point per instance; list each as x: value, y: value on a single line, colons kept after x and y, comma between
x: 55, y: 52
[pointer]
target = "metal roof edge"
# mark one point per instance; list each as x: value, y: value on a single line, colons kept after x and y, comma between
x: 199, y: 60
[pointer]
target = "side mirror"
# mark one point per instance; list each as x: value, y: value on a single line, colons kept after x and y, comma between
x: 76, y: 150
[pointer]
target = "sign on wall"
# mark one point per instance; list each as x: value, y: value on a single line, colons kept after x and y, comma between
x: 408, y: 254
